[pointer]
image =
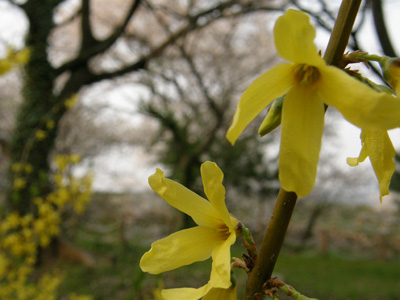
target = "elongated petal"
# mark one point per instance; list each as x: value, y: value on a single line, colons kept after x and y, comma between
x: 302, y: 127
x: 270, y: 85
x: 354, y: 161
x: 221, y: 266
x: 212, y: 177
x: 294, y: 39
x: 358, y: 103
x: 176, y: 195
x: 221, y: 294
x: 179, y: 249
x: 186, y: 293
x: 381, y: 153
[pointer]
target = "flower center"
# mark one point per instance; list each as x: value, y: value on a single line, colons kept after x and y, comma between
x: 306, y: 74
x: 223, y: 232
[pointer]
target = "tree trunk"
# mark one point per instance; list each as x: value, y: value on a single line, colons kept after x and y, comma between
x: 35, y: 129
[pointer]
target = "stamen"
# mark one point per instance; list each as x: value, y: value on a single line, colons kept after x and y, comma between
x: 306, y: 74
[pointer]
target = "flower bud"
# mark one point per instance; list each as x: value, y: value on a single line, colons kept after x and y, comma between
x: 391, y: 73
x: 273, y: 118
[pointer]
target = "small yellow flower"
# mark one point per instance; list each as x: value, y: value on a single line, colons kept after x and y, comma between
x: 308, y: 84
x: 379, y: 148
x: 14, y: 220
x: 28, y: 168
x: 50, y: 124
x: 19, y: 183
x: 13, y: 59
x: 61, y: 162
x: 75, y: 158
x: 71, y: 102
x: 19, y: 57
x: 5, y: 66
x: 213, y: 236
x: 40, y: 134
x: 16, y: 167
x: 27, y: 220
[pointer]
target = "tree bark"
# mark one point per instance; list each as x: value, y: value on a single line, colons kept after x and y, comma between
x: 35, y: 111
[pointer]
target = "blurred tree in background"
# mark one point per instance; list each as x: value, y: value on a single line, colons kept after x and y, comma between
x: 115, y: 39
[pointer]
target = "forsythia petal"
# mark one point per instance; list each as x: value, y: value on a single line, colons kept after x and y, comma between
x: 220, y: 272
x: 381, y: 154
x: 294, y: 39
x: 358, y: 103
x: 221, y: 294
x: 179, y: 249
x: 257, y: 96
x: 301, y: 140
x: 186, y: 293
x: 379, y: 148
x: 212, y: 177
x: 178, y: 196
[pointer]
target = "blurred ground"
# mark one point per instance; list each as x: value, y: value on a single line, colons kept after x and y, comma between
x: 353, y: 251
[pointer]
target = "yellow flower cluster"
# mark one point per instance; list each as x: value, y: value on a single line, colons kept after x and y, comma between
x: 13, y: 59
x: 71, y: 102
x: 21, y: 236
x: 20, y: 171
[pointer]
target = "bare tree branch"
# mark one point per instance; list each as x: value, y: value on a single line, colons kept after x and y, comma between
x: 87, y: 39
x: 100, y: 46
x: 381, y: 30
x: 210, y: 101
x: 213, y: 14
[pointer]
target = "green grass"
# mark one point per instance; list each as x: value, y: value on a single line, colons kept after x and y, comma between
x: 116, y: 276
x: 336, y: 277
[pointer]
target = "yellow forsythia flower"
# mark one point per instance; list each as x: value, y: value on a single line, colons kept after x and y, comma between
x: 75, y: 158
x: 40, y: 134
x: 61, y: 162
x: 13, y: 59
x: 213, y: 236
x: 19, y: 57
x: 13, y: 219
x: 71, y: 102
x: 19, y: 183
x: 308, y: 84
x: 379, y: 148
x: 28, y: 168
x: 50, y: 124
x: 16, y: 167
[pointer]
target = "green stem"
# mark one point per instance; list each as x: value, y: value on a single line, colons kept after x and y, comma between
x: 272, y: 243
x: 373, y: 57
x: 288, y: 290
x: 341, y: 31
